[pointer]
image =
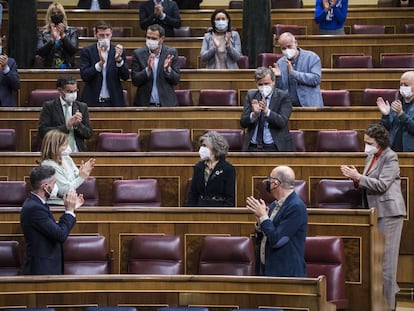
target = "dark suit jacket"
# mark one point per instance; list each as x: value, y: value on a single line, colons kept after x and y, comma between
x: 93, y: 79
x: 220, y: 188
x: 9, y: 84
x: 188, y: 4
x: 45, y: 47
x: 286, y: 236
x: 52, y: 117
x: 281, y: 108
x: 43, y: 237
x: 165, y: 80
x: 172, y: 19
x: 86, y: 4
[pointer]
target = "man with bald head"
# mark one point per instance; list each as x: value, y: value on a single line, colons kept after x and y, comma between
x: 299, y: 71
x: 398, y: 116
x: 281, y: 227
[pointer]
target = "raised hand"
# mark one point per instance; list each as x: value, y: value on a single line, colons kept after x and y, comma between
x: 383, y: 106
x: 167, y: 62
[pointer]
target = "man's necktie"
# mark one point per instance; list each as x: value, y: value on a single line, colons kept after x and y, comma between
x: 260, y: 128
x: 71, y: 136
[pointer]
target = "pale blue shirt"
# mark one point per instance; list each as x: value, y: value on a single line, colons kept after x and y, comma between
x: 95, y: 5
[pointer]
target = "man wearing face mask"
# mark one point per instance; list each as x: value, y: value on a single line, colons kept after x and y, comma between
x: 67, y: 114
x: 42, y: 235
x: 102, y: 67
x: 381, y: 183
x: 398, y: 117
x: 299, y: 71
x: 162, y: 12
x: 281, y: 227
x: 265, y: 115
x: 155, y: 71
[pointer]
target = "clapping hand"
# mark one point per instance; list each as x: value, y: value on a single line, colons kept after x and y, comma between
x: 72, y: 200
x: 396, y: 106
x: 167, y: 62
x: 86, y: 168
x: 383, y: 106
x: 258, y: 207
x: 118, y: 52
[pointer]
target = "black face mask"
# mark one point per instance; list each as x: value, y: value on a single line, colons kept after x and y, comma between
x: 56, y: 18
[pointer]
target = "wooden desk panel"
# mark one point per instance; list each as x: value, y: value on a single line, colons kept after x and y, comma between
x: 358, y: 228
x: 152, y: 291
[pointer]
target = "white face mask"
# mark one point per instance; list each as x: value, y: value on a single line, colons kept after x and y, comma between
x: 265, y: 90
x: 370, y: 149
x: 204, y: 153
x: 71, y: 97
x: 104, y: 42
x: 152, y: 45
x: 405, y: 91
x: 221, y: 25
x: 289, y: 53
x: 54, y: 192
x: 67, y: 151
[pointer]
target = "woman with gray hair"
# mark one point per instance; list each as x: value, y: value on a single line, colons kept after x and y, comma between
x: 214, y: 179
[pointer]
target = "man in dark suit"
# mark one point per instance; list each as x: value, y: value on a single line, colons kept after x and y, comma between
x: 163, y: 12
x: 155, y: 71
x: 188, y: 4
x: 281, y: 227
x: 9, y: 80
x: 266, y: 114
x: 89, y: 4
x: 102, y: 66
x: 67, y: 115
x: 42, y: 235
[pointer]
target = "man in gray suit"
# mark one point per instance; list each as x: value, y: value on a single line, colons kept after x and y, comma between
x: 155, y: 71
x: 299, y: 72
x: 266, y: 114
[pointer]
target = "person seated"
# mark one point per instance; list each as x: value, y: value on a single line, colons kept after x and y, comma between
x: 214, y: 179
x: 221, y: 48
x: 56, y: 42
x: 94, y: 4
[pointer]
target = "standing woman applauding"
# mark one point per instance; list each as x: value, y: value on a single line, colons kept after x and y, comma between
x: 221, y: 47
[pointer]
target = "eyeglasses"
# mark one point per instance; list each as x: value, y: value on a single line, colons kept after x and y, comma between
x: 270, y: 178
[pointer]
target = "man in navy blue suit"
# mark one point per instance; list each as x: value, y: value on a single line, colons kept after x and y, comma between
x: 9, y: 79
x: 281, y: 227
x: 162, y: 12
x: 102, y: 66
x: 42, y: 235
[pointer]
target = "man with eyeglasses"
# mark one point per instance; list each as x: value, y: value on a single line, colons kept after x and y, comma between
x: 67, y: 114
x: 281, y: 227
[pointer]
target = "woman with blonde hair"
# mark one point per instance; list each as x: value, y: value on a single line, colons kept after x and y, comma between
x: 214, y: 179
x: 57, y: 43
x: 54, y: 152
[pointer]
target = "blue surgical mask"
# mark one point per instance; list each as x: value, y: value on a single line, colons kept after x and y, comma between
x: 221, y: 25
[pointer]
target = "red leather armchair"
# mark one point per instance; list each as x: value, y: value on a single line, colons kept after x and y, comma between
x: 336, y: 98
x: 89, y: 189
x: 354, y: 61
x: 234, y: 138
x: 10, y: 263
x: 337, y: 193
x: 267, y: 59
x: 397, y: 61
x: 170, y: 140
x: 118, y: 142
x: 184, y: 97
x: 136, y: 192
x: 370, y: 96
x: 337, y: 141
x: 12, y: 193
x: 39, y: 96
x: 216, y: 97
x: 298, y: 137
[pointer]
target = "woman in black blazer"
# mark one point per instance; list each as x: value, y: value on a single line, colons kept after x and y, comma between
x: 86, y: 4
x: 214, y: 179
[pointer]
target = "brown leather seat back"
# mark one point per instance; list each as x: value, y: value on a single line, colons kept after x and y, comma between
x: 170, y: 140
x: 216, y: 97
x: 337, y: 193
x: 138, y: 192
x: 337, y: 141
x: 10, y: 263
x: 89, y: 189
x: 13, y: 193
x: 118, y: 142
x: 336, y: 98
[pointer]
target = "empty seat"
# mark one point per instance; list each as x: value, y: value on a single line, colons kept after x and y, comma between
x: 121, y: 32
x: 337, y: 141
x: 118, y: 142
x: 337, y: 193
x: 216, y: 97
x: 10, y: 263
x: 39, y: 96
x: 156, y: 254
x: 136, y: 192
x: 267, y: 59
x: 86, y: 255
x: 82, y: 31
x: 397, y: 61
x: 227, y: 255
x: 89, y: 189
x: 324, y: 255
x: 170, y: 140
x: 243, y: 62
x: 367, y: 29
x: 336, y: 98
x: 284, y: 4
x: 234, y: 137
x: 278, y: 29
x: 12, y: 193
x: 182, y: 60
x: 354, y: 61
x: 236, y: 4
x: 409, y: 28
x: 298, y: 137
x: 8, y: 140
x: 183, y: 31
x: 184, y: 97
x: 110, y: 308
x: 370, y: 96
